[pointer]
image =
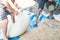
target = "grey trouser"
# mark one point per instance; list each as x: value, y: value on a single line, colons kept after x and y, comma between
x: 3, y: 12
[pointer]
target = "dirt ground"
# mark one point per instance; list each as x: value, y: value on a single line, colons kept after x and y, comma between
x: 42, y: 32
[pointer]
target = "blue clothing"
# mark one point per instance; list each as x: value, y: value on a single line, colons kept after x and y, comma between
x: 41, y: 3
x: 3, y: 12
x: 58, y: 2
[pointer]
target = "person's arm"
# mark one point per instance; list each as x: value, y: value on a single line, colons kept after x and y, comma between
x: 16, y: 5
x: 12, y: 5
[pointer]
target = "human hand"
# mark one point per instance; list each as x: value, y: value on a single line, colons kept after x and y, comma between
x: 15, y: 12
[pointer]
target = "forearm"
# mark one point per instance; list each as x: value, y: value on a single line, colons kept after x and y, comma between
x: 16, y: 5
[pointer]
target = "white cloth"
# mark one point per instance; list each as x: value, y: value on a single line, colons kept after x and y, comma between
x: 2, y: 1
x: 21, y: 3
x: 25, y: 3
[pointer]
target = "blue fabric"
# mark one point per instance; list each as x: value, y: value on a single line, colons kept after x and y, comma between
x: 4, y: 13
x: 58, y: 2
x: 41, y: 3
x: 15, y: 38
x: 32, y: 18
x: 41, y: 17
